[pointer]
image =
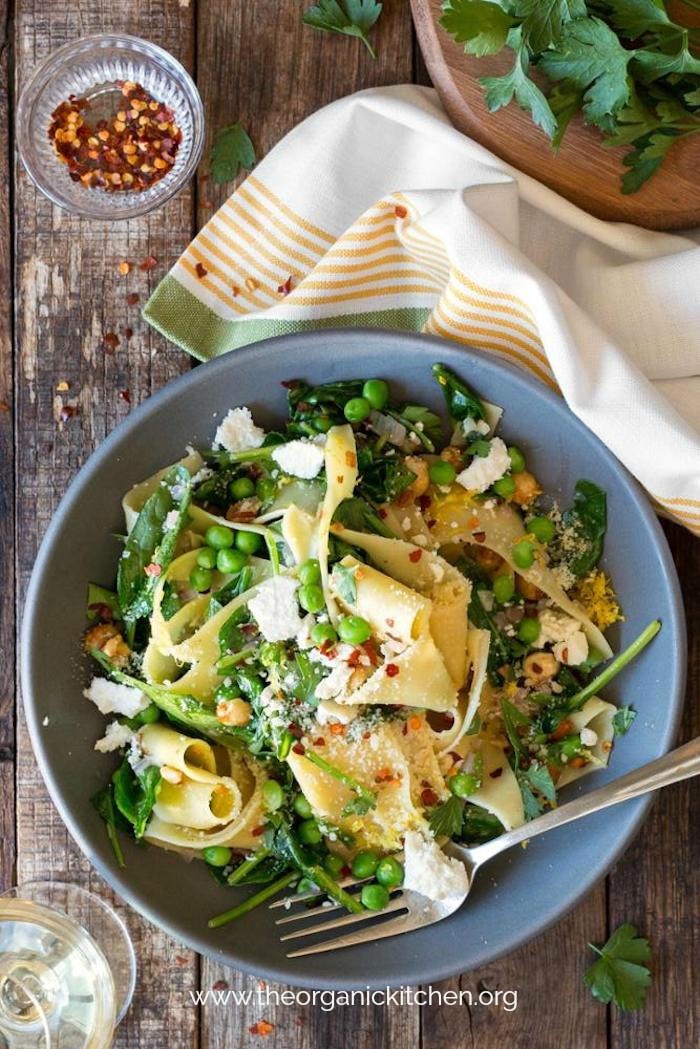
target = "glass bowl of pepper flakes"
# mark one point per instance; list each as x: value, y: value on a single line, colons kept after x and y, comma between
x: 110, y: 127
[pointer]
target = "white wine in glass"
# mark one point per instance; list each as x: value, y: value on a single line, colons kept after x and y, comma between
x: 67, y: 968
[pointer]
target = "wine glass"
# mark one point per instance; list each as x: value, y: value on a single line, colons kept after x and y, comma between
x: 67, y: 968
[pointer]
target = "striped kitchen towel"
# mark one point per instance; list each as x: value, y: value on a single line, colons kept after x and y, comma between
x: 376, y: 212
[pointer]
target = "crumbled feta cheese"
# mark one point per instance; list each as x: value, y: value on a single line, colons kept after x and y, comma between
x: 482, y: 472
x: 419, y: 540
x: 116, y: 736
x: 171, y: 520
x: 556, y: 626
x: 328, y: 711
x: 112, y: 698
x: 299, y: 458
x: 573, y: 651
x: 395, y: 432
x: 237, y: 432
x: 303, y: 638
x: 429, y: 871
x: 589, y: 738
x: 275, y: 609
x: 203, y: 474
x: 336, y: 682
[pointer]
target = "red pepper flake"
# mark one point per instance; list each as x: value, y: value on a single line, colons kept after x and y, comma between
x: 295, y: 730
x: 128, y: 332
x: 262, y: 1027
x: 351, y: 460
x: 382, y: 513
x: 101, y: 611
x: 110, y: 341
x: 478, y: 537
x: 149, y: 263
x: 391, y: 669
x: 202, y: 271
x: 354, y: 657
x: 320, y: 742
x: 340, y: 478
x: 298, y: 748
x: 404, y: 730
x: 4, y: 406
x: 496, y: 773
x: 124, y: 267
x: 415, y: 556
x: 180, y: 959
x: 284, y: 289
x: 455, y: 756
x: 366, y: 735
x: 67, y: 412
x: 153, y: 569
x: 400, y: 211
x: 132, y: 298
x: 383, y: 775
x: 370, y: 650
x: 428, y: 797
x: 257, y: 831
x: 220, y: 985
x: 424, y: 502
x: 131, y: 151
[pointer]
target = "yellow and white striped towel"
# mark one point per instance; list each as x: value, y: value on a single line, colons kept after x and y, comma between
x: 376, y: 211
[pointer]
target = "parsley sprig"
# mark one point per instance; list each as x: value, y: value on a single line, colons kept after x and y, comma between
x: 349, y: 17
x: 620, y: 974
x: 624, y: 64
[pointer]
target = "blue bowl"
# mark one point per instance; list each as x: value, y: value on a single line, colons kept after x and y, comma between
x: 523, y: 891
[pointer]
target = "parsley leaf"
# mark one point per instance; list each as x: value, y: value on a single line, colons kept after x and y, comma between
x: 446, y: 819
x: 512, y: 719
x: 543, y: 20
x: 623, y: 719
x: 590, y: 55
x: 480, y: 25
x: 501, y: 90
x: 656, y: 64
x: 636, y: 17
x: 231, y: 151
x: 620, y: 975
x: 350, y: 17
x: 344, y: 583
x: 539, y: 778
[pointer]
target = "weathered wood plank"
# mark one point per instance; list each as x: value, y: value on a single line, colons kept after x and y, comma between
x: 655, y: 885
x: 258, y: 64
x: 69, y: 295
x: 7, y: 612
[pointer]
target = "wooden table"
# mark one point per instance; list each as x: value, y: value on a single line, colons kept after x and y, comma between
x: 255, y: 62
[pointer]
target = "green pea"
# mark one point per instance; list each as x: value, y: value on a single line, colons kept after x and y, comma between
x: 242, y: 488
x: 364, y: 864
x: 323, y: 633
x: 376, y: 391
x: 302, y: 807
x: 201, y: 579
x: 505, y: 487
x: 266, y: 489
x: 309, y: 832
x: 463, y: 785
x: 374, y: 897
x: 230, y: 561
x: 524, y: 554
x: 542, y: 528
x: 217, y: 855
x: 248, y: 542
x: 311, y: 598
x: 206, y: 558
x: 517, y: 459
x: 219, y: 537
x: 333, y: 864
x: 322, y: 423
x: 389, y: 872
x: 442, y: 473
x: 529, y: 630
x: 357, y: 409
x: 354, y: 630
x: 310, y: 572
x: 503, y: 588
x: 272, y: 795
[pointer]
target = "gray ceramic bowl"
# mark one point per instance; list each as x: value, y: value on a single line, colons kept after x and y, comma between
x: 522, y: 892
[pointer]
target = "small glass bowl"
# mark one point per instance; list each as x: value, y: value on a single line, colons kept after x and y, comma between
x: 89, y: 68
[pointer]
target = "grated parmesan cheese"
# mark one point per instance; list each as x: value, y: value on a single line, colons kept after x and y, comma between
x: 429, y: 871
x: 299, y: 458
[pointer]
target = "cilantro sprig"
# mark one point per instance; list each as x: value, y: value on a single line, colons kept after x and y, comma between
x: 625, y: 65
x: 620, y: 974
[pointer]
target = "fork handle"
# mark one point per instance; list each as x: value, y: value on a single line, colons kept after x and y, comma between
x: 673, y: 767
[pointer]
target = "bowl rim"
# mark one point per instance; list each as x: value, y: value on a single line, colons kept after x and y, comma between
x: 46, y: 71
x: 636, y: 809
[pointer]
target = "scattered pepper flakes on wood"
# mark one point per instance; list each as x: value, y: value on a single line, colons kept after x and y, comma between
x: 149, y: 263
x: 124, y: 267
x: 128, y: 332
x: 132, y: 298
x: 202, y: 270
x: 62, y: 386
x: 180, y: 959
x: 67, y: 411
x: 220, y: 985
x: 284, y: 289
x: 129, y: 152
x: 4, y: 406
x: 110, y: 341
x: 262, y: 1027
x: 125, y: 395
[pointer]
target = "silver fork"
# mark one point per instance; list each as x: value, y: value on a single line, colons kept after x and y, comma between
x: 409, y: 910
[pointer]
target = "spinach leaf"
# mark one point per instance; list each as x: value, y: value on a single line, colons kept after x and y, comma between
x: 309, y: 404
x: 357, y: 514
x: 514, y: 719
x: 383, y: 479
x: 479, y: 826
x: 501, y: 648
x: 307, y: 676
x: 104, y: 803
x: 231, y: 637
x: 461, y: 402
x: 135, y: 794
x: 589, y: 518
x: 150, y: 542
x: 236, y: 586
